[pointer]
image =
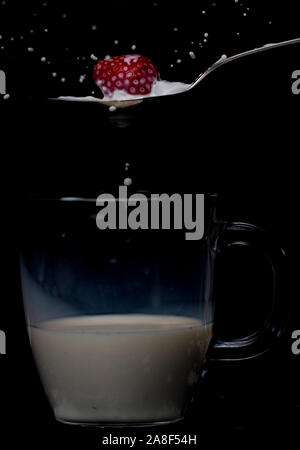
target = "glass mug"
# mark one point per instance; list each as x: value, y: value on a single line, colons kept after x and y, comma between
x: 120, y: 321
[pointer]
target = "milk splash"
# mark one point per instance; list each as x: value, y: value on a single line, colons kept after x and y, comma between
x: 121, y: 98
x: 161, y: 88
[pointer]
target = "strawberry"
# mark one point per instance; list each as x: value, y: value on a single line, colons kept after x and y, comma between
x: 134, y: 74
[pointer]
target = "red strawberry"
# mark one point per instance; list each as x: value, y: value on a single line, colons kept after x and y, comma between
x: 134, y: 74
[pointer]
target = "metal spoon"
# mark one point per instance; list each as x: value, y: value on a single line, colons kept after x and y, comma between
x: 223, y: 60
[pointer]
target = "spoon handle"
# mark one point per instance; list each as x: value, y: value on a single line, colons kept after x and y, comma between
x: 224, y: 60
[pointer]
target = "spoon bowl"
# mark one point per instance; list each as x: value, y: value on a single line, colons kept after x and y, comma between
x: 113, y: 104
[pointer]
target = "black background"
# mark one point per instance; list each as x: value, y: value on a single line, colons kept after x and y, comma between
x: 236, y: 134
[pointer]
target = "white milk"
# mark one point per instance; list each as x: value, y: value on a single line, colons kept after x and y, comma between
x: 119, y: 368
x: 121, y: 99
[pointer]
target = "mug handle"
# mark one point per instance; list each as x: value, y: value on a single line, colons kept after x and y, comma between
x: 262, y: 340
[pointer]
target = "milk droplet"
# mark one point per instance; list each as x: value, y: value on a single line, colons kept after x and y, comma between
x: 203, y: 12
x: 133, y: 47
x: 127, y: 181
x: 175, y: 29
x: 6, y: 97
x: 43, y: 59
x: 192, y: 55
x: 46, y: 30
x: 30, y: 49
x: 107, y: 57
x: 179, y: 61
x: 113, y: 260
x: 62, y: 80
x: 54, y: 74
x: 205, y: 35
x: 93, y: 57
x: 94, y: 27
x: 116, y: 41
x: 112, y: 109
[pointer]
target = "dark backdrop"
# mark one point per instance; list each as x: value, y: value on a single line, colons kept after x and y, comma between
x: 236, y: 134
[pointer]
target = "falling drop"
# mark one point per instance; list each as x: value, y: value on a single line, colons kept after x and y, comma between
x: 127, y: 181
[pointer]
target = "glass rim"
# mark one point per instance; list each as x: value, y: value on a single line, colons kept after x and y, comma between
x: 81, y: 199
